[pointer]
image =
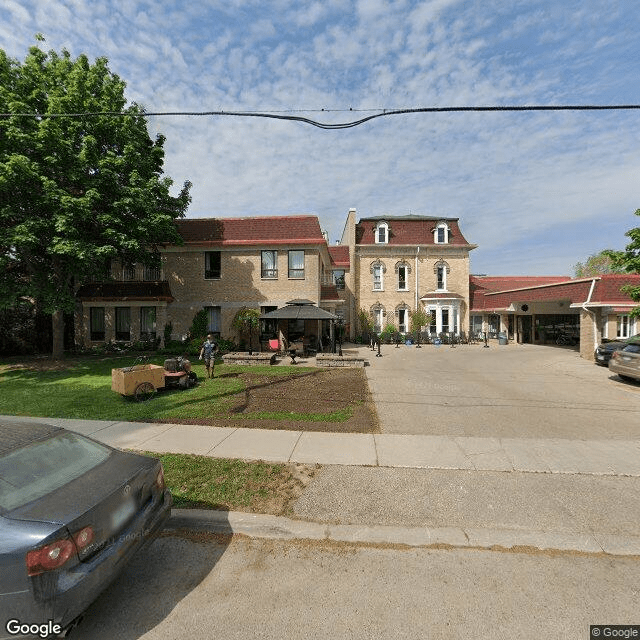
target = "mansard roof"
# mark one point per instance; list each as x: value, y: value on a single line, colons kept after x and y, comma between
x: 297, y: 229
x: 409, y: 230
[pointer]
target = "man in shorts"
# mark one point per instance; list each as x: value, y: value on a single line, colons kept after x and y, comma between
x: 208, y: 352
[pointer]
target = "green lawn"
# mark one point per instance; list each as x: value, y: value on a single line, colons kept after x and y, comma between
x: 210, y: 483
x: 83, y: 390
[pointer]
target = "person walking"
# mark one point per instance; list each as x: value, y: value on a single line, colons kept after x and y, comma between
x: 208, y: 352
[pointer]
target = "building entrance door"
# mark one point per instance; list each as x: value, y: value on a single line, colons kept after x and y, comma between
x: 524, y: 324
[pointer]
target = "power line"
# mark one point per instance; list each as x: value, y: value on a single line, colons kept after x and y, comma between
x: 288, y: 115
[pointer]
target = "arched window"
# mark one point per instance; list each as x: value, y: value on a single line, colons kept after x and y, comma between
x: 382, y: 233
x: 378, y: 313
x: 441, y: 269
x: 402, y: 313
x: 403, y: 269
x: 441, y: 233
x: 378, y: 270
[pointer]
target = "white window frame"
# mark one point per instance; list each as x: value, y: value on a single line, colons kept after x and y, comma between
x: 404, y: 268
x: 295, y: 268
x: 382, y: 226
x: 403, y: 326
x: 378, y: 277
x: 624, y: 326
x: 441, y: 269
x: 378, y: 319
x: 445, y: 232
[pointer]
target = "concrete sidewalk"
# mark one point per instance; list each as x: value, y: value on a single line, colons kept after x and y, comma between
x: 592, y: 457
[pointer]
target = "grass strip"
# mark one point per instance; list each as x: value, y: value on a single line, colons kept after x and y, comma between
x: 199, y: 482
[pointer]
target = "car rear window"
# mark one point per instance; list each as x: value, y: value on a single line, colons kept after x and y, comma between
x: 33, y: 471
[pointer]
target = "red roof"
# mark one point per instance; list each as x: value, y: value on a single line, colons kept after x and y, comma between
x: 251, y: 231
x: 408, y: 230
x: 499, y: 292
x: 339, y: 256
x: 607, y: 289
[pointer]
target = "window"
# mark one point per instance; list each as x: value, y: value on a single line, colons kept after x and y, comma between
x: 445, y: 320
x: 296, y: 264
x: 402, y: 278
x: 338, y: 278
x: 96, y: 323
x: 212, y: 265
x: 378, y: 319
x: 476, y: 325
x: 382, y: 233
x: 123, y: 323
x: 403, y: 315
x: 441, y: 276
x: 377, y: 278
x: 441, y: 233
x: 214, y: 324
x: 148, y: 323
x: 269, y: 264
x: 268, y: 328
x: 433, y: 323
x: 624, y: 326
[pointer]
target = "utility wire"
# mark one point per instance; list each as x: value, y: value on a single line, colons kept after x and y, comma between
x: 275, y: 115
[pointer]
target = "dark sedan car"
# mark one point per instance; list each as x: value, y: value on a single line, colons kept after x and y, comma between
x: 606, y: 349
x: 72, y: 513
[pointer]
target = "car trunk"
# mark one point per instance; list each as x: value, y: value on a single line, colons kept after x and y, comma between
x: 100, y: 499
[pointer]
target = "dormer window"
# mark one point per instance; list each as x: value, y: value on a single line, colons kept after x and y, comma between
x: 441, y: 233
x: 382, y: 233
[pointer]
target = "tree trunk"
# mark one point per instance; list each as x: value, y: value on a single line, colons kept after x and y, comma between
x: 57, y: 325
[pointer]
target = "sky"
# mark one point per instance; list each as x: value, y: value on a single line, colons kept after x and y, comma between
x: 536, y: 191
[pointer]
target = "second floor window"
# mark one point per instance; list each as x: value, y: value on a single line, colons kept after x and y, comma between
x: 441, y: 278
x: 212, y: 265
x: 377, y: 278
x: 296, y: 264
x: 269, y: 264
x: 402, y: 278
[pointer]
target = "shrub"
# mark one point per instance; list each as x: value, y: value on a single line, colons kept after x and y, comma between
x: 199, y: 325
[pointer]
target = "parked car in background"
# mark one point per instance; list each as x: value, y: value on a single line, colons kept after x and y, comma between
x: 73, y: 511
x: 626, y: 362
x: 604, y: 350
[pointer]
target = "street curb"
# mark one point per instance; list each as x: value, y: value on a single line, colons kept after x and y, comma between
x: 280, y: 528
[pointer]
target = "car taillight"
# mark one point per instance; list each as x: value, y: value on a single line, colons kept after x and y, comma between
x: 160, y: 479
x: 49, y: 557
x: 83, y: 538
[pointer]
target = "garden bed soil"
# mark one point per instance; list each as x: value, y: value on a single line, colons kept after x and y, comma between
x: 322, y: 391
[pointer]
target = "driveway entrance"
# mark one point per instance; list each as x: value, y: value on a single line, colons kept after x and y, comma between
x: 512, y: 391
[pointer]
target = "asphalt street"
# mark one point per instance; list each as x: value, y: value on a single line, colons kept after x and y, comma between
x: 191, y: 588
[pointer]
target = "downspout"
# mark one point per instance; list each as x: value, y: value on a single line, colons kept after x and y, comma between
x: 592, y: 314
x: 417, y: 280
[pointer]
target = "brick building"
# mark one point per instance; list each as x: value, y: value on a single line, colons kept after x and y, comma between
x: 387, y: 265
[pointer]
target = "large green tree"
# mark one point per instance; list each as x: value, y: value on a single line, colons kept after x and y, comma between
x: 76, y: 190
x: 628, y: 261
x: 596, y: 265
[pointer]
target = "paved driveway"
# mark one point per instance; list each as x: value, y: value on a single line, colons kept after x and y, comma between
x: 513, y: 391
